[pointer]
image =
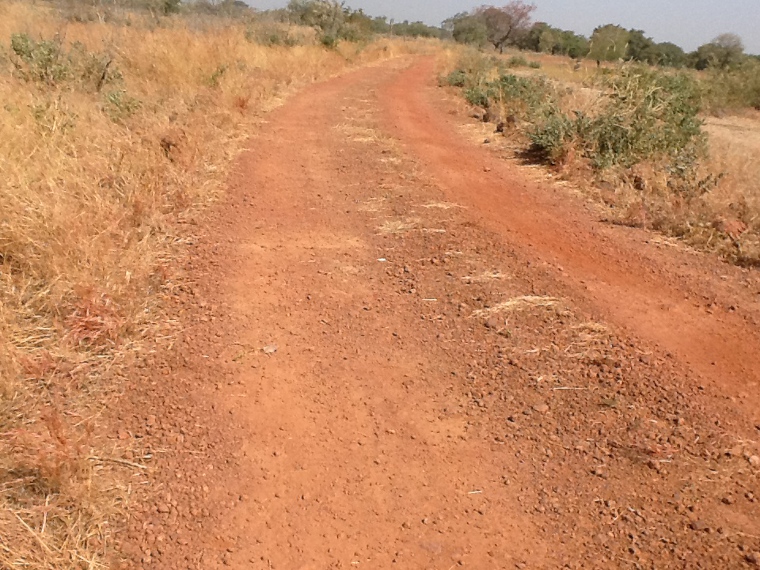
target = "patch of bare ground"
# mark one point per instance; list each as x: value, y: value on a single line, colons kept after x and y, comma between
x: 357, y: 389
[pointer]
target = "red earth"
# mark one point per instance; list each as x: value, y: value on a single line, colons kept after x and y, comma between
x: 402, y: 350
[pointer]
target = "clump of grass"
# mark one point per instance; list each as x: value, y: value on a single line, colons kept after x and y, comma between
x: 112, y: 138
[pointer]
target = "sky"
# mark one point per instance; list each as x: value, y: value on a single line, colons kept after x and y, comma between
x: 688, y: 23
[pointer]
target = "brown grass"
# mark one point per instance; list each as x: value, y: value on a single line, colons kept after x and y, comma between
x: 98, y: 193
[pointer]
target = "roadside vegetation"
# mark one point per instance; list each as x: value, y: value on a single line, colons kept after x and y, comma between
x: 118, y: 121
x: 635, y: 128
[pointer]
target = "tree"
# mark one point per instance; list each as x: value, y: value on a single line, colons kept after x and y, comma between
x: 730, y: 50
x: 725, y: 51
x: 640, y: 47
x: 574, y: 45
x: 326, y: 15
x: 609, y: 43
x: 467, y: 28
x: 506, y: 25
x: 669, y: 55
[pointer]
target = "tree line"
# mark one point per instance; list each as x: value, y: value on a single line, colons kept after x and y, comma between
x: 512, y: 25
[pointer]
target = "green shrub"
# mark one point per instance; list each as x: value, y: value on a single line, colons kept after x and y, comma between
x: 43, y: 61
x: 120, y: 106
x: 534, y: 64
x: 733, y: 88
x: 517, y: 61
x: 329, y: 41
x: 46, y: 61
x: 645, y: 115
x: 477, y: 96
x: 457, y: 78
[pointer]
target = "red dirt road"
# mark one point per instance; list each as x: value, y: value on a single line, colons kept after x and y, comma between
x: 402, y: 352
x: 609, y: 269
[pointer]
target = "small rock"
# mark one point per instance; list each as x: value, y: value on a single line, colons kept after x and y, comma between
x: 728, y: 500
x: 753, y: 558
x: 599, y: 472
x: 754, y: 461
x: 541, y: 408
x: 163, y: 508
x: 699, y: 526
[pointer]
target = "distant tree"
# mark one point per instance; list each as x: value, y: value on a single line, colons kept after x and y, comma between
x: 725, y: 51
x: 546, y: 39
x: 669, y: 55
x: 467, y: 28
x: 731, y: 50
x: 171, y: 6
x: 639, y: 47
x: 531, y: 40
x: 609, y: 43
x: 574, y: 45
x: 506, y: 25
x: 327, y: 16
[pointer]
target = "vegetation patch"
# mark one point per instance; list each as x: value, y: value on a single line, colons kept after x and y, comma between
x: 637, y: 132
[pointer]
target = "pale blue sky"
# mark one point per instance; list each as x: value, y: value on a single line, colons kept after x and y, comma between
x: 688, y: 23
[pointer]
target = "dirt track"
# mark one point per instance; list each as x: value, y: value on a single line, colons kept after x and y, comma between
x: 404, y: 351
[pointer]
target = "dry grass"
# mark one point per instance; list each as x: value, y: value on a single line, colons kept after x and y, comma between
x: 517, y: 304
x: 100, y: 185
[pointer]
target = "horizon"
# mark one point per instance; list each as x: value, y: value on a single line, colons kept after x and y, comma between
x: 703, y: 21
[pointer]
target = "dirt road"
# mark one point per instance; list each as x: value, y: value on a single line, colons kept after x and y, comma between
x: 403, y: 351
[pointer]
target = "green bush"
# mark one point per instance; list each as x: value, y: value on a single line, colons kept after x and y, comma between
x: 457, y: 78
x: 43, y: 61
x: 47, y: 62
x: 329, y: 41
x: 517, y: 61
x: 527, y: 98
x: 733, y: 88
x: 645, y: 115
x: 120, y: 106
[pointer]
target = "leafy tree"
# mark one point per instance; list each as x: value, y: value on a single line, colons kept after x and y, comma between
x: 467, y: 28
x: 725, y: 51
x: 609, y: 43
x: 574, y: 45
x: 640, y: 47
x: 669, y: 55
x: 531, y: 40
x: 327, y: 16
x: 171, y: 6
x: 546, y: 39
x: 506, y: 25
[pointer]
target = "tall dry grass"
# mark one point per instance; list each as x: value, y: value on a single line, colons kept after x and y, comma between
x: 100, y: 179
